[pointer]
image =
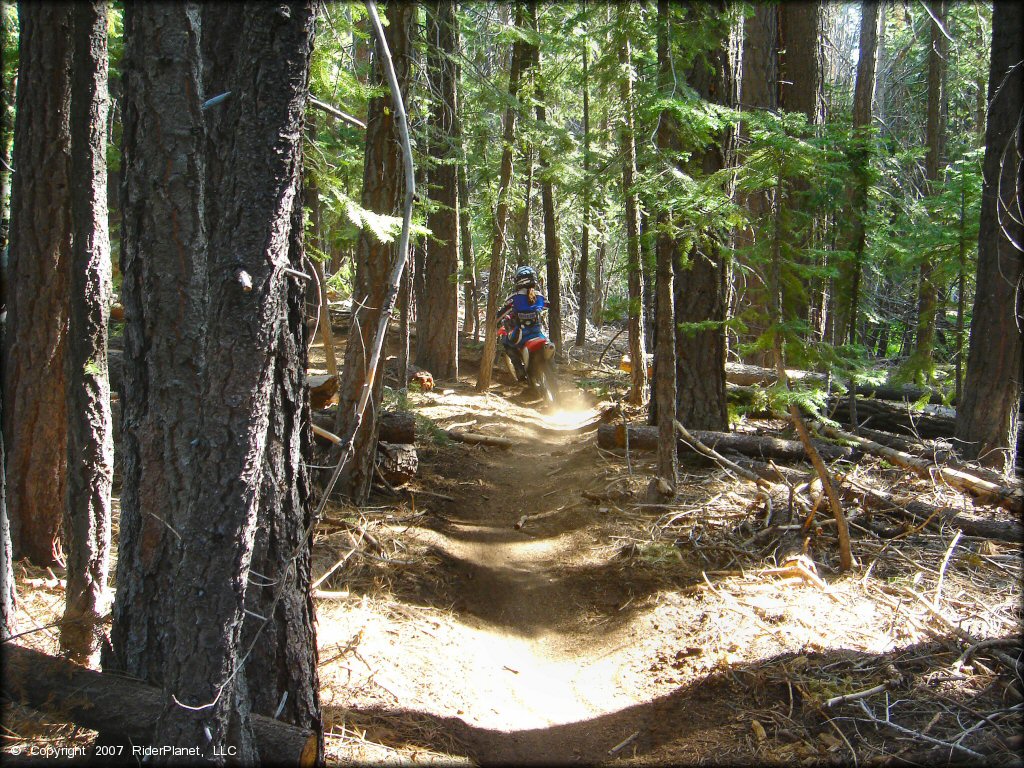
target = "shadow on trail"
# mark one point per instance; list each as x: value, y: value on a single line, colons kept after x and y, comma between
x: 707, y: 720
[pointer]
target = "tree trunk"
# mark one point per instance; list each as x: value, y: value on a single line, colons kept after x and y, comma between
x: 497, y: 266
x: 471, y: 319
x: 8, y: 597
x: 38, y: 269
x: 758, y: 90
x: 437, y: 317
x: 164, y: 294
x: 700, y: 283
x: 581, y: 291
x: 989, y: 414
x: 252, y: 240
x: 383, y: 185
x: 927, y: 301
x: 281, y: 670
x: 627, y: 146
x: 90, y: 440
x: 552, y: 246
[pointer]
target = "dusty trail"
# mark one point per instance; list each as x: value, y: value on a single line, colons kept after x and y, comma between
x: 535, y: 659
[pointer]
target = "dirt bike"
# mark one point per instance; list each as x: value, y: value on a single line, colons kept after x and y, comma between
x: 538, y: 355
x: 532, y: 364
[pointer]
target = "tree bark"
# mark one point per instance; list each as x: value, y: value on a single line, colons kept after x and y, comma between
x: 988, y: 417
x: 382, y: 192
x: 497, y: 267
x: 701, y: 401
x: 35, y: 427
x: 281, y: 668
x: 627, y: 147
x: 90, y: 441
x: 249, y: 292
x: 164, y: 294
x: 8, y: 596
x: 437, y: 316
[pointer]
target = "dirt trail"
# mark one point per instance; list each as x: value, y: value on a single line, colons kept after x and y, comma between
x: 536, y: 648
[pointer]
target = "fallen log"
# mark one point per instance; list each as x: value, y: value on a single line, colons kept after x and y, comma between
x: 645, y: 438
x: 478, y: 439
x: 1004, y: 496
x: 934, y: 421
x: 914, y: 511
x: 745, y: 375
x: 123, y: 707
x: 397, y: 462
x: 394, y: 426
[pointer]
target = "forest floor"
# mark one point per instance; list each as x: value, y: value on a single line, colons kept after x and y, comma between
x: 527, y: 605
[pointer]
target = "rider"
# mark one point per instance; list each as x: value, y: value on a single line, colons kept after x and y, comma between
x: 521, y: 316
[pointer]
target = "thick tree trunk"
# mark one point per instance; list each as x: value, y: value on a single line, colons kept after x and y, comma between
x: 497, y: 266
x: 989, y: 415
x: 383, y: 185
x: 627, y: 147
x: 759, y: 89
x: 437, y: 315
x: 700, y: 283
x: 164, y: 294
x: 470, y: 321
x: 249, y: 246
x: 282, y: 664
x: 38, y: 269
x: 90, y: 440
x: 927, y: 297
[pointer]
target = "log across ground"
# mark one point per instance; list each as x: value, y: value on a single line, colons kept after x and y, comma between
x: 522, y: 601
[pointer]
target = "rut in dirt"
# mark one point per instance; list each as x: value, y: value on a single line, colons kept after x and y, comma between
x: 522, y: 560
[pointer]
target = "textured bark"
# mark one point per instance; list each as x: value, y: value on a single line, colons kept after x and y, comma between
x: 163, y: 261
x: 497, y: 266
x: 282, y: 661
x: 627, y: 148
x: 989, y: 414
x: 552, y: 246
x: 928, y: 295
x: 437, y: 317
x: 90, y: 441
x: 251, y: 241
x: 699, y: 288
x: 383, y: 186
x: 35, y: 427
x: 801, y: 85
x: 8, y: 597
